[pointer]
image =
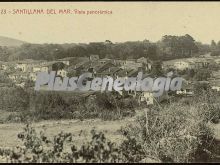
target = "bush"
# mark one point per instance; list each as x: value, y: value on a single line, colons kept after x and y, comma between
x: 13, y: 99
x: 55, y: 105
x: 174, y: 133
x: 38, y: 148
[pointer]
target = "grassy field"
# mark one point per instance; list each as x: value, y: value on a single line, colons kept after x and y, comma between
x: 80, y: 129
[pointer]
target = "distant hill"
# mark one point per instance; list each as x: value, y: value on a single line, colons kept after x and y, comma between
x: 5, y: 41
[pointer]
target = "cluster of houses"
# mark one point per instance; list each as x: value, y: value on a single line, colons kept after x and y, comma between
x: 196, y: 64
x: 75, y: 66
x: 189, y: 63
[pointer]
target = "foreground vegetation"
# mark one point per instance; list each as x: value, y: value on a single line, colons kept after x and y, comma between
x: 176, y: 132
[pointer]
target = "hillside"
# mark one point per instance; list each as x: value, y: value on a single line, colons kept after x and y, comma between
x: 5, y: 41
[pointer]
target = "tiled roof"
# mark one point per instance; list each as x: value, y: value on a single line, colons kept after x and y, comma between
x: 215, y: 82
x: 30, y: 61
x: 133, y: 72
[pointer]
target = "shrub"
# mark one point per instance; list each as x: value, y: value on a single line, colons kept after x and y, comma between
x: 174, y: 133
x: 38, y: 148
x: 13, y: 99
x: 55, y: 105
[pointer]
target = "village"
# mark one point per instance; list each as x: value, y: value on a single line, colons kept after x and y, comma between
x: 110, y: 82
x: 23, y: 71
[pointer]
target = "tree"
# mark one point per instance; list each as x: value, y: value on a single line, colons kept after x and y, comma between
x: 4, y: 78
x: 178, y: 46
x: 213, y: 44
x: 191, y: 73
x: 4, y: 53
x: 215, y: 49
x: 203, y: 48
x: 157, y: 69
x: 58, y: 66
x: 152, y: 52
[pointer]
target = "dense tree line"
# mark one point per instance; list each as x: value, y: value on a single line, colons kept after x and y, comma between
x: 177, y: 46
x: 168, y: 47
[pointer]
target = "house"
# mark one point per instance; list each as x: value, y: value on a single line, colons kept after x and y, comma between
x: 132, y: 73
x: 90, y: 66
x: 94, y: 67
x: 1, y: 65
x: 33, y: 76
x: 80, y: 64
x: 22, y: 66
x: 216, y: 88
x: 215, y: 85
x: 186, y: 89
x: 18, y: 76
x: 188, y: 63
x: 131, y: 64
x: 14, y: 76
x: 27, y: 65
x: 142, y: 62
x: 217, y: 60
x: 22, y: 84
x: 122, y: 73
x: 66, y: 61
x: 182, y: 65
x: 142, y: 59
x: 70, y: 69
x: 43, y: 67
x: 146, y: 97
x: 216, y: 74
x: 147, y: 64
x: 82, y: 67
x: 69, y: 61
x: 130, y: 61
x: 202, y: 63
x: 62, y: 72
x: 106, y: 66
x: 40, y: 68
x: 119, y: 62
x: 105, y: 60
x: 5, y: 65
x: 94, y: 57
x: 111, y: 71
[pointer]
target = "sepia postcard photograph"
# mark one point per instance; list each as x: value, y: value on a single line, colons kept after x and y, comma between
x: 110, y: 82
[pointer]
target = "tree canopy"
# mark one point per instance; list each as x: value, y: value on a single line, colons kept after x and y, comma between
x: 169, y: 47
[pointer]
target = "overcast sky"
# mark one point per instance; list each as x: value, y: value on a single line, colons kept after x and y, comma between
x: 130, y: 21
